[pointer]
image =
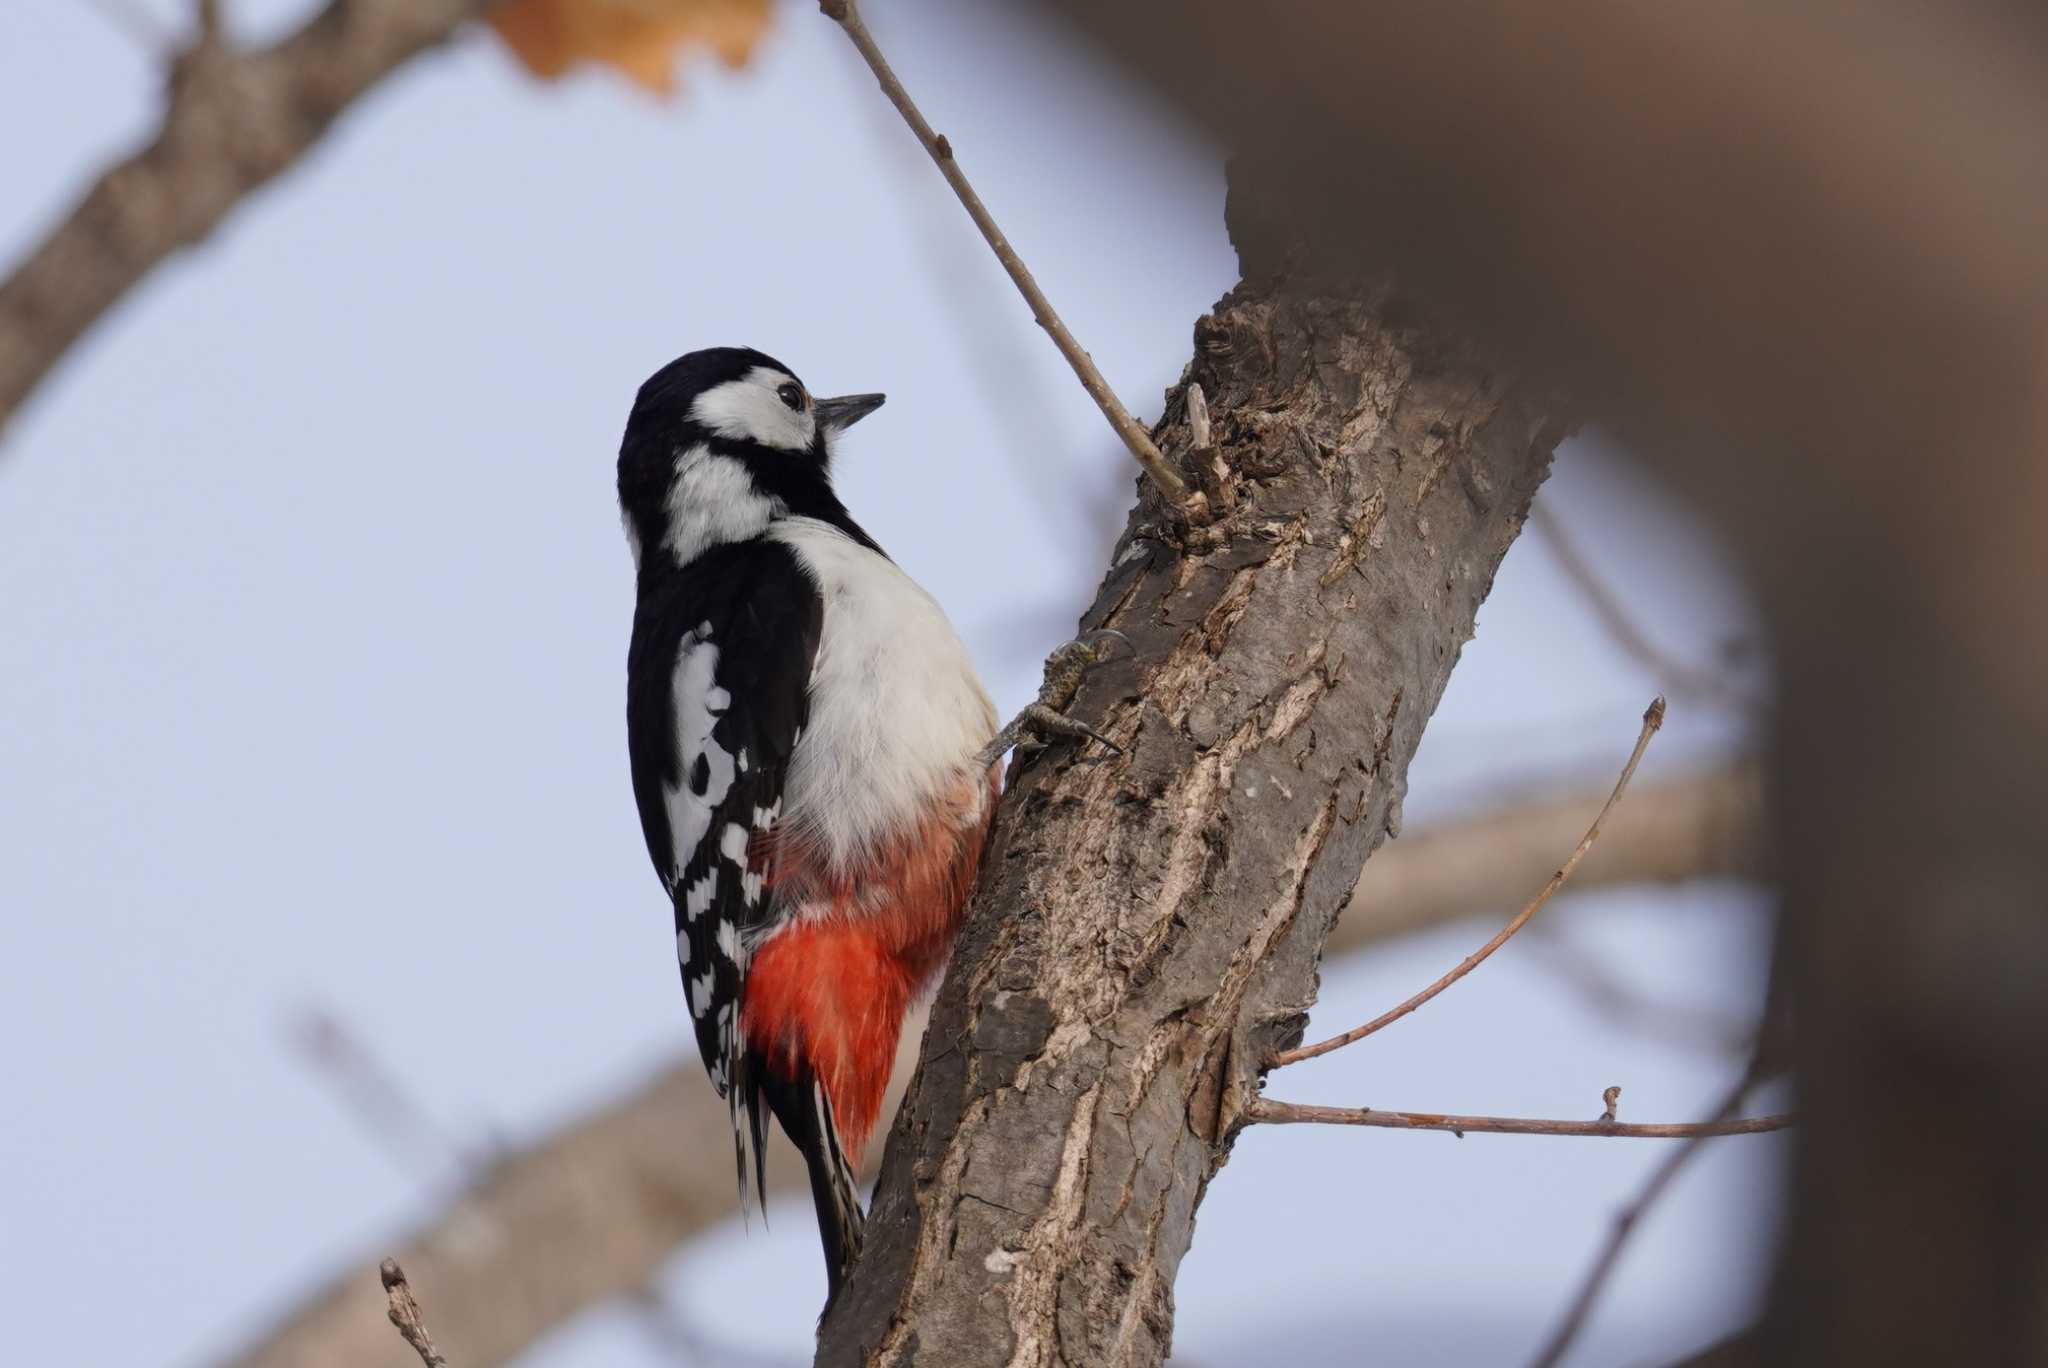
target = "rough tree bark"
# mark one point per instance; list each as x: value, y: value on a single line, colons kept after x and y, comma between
x: 1148, y: 927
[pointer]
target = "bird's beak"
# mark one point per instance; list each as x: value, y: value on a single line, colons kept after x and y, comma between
x: 836, y: 415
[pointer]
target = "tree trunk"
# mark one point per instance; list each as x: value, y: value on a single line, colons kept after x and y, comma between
x: 1148, y: 927
x: 1838, y: 355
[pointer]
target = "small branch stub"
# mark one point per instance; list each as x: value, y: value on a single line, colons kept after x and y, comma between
x: 1203, y: 457
x: 405, y: 1314
x: 1626, y: 1221
x: 1611, y: 1099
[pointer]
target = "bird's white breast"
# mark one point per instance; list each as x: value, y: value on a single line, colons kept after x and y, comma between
x: 896, y: 710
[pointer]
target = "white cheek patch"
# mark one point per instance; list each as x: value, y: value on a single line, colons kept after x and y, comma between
x: 749, y: 410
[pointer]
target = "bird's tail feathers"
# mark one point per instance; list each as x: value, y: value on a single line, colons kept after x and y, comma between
x: 749, y: 1127
x: 805, y: 1111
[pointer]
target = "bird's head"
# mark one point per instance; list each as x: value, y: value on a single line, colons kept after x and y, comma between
x: 720, y: 435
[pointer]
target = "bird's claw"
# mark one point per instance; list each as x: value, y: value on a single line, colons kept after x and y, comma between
x: 1042, y: 719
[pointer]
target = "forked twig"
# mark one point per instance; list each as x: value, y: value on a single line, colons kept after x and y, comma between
x: 1275, y: 1113
x: 405, y: 1314
x: 1653, y: 718
x: 847, y: 15
x: 1631, y: 1215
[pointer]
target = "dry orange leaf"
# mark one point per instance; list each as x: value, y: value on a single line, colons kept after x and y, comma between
x: 640, y: 38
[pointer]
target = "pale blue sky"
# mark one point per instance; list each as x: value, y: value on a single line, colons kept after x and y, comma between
x: 312, y: 625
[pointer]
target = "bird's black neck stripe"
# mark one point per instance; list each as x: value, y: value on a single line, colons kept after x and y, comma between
x: 795, y: 481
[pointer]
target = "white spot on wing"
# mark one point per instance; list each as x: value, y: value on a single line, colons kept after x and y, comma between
x: 700, y: 995
x: 699, y: 703
x: 699, y: 896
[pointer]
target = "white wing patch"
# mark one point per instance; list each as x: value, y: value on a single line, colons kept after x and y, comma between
x: 706, y: 767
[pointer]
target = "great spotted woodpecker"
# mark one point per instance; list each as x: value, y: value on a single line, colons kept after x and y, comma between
x: 807, y: 740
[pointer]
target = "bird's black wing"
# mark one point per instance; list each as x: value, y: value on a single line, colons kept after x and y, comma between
x: 718, y: 681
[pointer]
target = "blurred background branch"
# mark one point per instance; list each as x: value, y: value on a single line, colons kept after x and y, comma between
x: 589, y: 1215
x: 233, y: 120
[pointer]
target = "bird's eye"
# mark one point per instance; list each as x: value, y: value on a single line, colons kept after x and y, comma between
x: 792, y: 396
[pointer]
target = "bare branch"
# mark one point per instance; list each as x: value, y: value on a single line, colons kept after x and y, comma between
x: 1626, y: 1222
x: 233, y: 122
x: 847, y: 15
x: 1673, y: 675
x: 405, y: 1314
x: 1270, y: 1112
x: 1653, y: 718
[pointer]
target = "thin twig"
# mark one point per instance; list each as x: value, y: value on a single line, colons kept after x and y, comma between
x: 847, y: 16
x: 1275, y: 1113
x: 1674, y: 675
x: 996, y: 363
x: 405, y: 1314
x: 1653, y: 718
x: 1631, y: 1216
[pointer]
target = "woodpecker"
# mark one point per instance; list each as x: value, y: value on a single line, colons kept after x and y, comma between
x: 807, y: 737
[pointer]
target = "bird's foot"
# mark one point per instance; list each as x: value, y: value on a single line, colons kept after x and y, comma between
x: 1043, y: 719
